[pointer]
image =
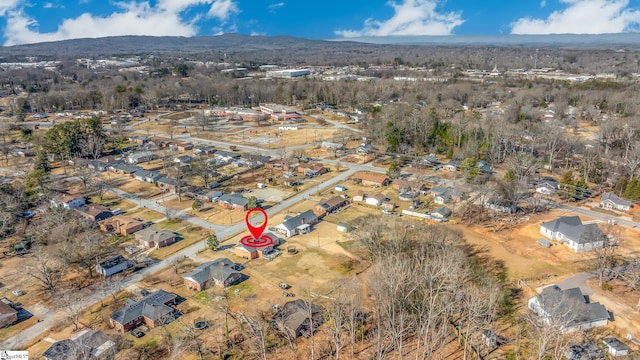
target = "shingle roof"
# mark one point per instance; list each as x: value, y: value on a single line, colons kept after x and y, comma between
x: 614, y: 199
x: 293, y: 222
x: 136, y: 309
x: 572, y: 228
x: 153, y: 234
x: 570, y: 306
x: 234, y: 198
x: 219, y: 269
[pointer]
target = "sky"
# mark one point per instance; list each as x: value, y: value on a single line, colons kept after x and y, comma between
x: 32, y: 21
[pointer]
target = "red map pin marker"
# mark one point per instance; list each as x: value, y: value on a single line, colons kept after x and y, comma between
x: 256, y: 231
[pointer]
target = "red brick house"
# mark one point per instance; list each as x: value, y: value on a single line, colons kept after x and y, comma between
x: 155, y: 309
x: 184, y: 147
x: 371, y: 179
x: 327, y: 206
x: 122, y: 225
x: 317, y: 168
x: 219, y: 272
x: 153, y: 237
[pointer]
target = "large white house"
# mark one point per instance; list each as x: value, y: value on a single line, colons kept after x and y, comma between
x: 612, y: 201
x: 571, y: 231
x: 568, y: 309
x: 68, y: 201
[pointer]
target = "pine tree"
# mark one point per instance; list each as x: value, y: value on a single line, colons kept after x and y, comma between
x: 568, y: 190
x: 621, y: 186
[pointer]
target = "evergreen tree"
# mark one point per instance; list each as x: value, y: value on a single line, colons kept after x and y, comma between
x: 581, y: 189
x: 567, y: 187
x: 621, y: 186
x: 394, y: 169
x: 212, y: 241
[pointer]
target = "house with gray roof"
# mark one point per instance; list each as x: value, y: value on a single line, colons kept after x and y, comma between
x: 610, y: 200
x: 220, y: 272
x: 299, y: 224
x: 571, y: 231
x: 233, y: 201
x: 86, y: 345
x: 124, y: 169
x: 441, y: 212
x: 568, y: 308
x: 153, y: 237
x: 140, y: 157
x: 148, y: 176
x: 155, y: 309
x: 299, y: 318
x: 112, y: 265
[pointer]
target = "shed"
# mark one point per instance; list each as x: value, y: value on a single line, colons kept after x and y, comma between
x: 343, y: 227
x: 340, y: 188
x: 544, y: 242
x: 616, y: 347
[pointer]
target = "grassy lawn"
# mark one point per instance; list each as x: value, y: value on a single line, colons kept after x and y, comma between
x: 191, y: 236
x: 10, y: 331
x: 173, y: 224
x: 146, y: 214
x: 112, y: 201
x: 355, y: 211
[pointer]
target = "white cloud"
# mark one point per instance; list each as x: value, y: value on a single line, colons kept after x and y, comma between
x: 130, y: 18
x: 583, y: 17
x: 223, y: 9
x: 276, y: 6
x: 411, y: 17
x: 543, y: 3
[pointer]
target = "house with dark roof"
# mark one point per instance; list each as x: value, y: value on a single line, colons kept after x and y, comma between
x: 155, y: 309
x: 330, y: 205
x: 86, y: 345
x: 112, y: 265
x: 8, y: 315
x: 124, y: 169
x: 441, y: 212
x: 610, y: 200
x: 571, y: 231
x: 148, y: 176
x: 255, y: 252
x: 568, y: 308
x: 94, y: 212
x: 299, y: 318
x: 299, y: 224
x: 182, y: 159
x: 233, y: 201
x: 204, y: 150
x: 285, y: 164
x: 501, y: 205
x: 141, y: 157
x: 314, y: 169
x: 616, y: 347
x: 153, y: 237
x: 441, y: 195
x: 226, y: 156
x: 168, y: 184
x: 220, y: 272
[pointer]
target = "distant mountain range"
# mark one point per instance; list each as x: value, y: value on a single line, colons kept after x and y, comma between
x: 237, y: 43
x: 559, y: 40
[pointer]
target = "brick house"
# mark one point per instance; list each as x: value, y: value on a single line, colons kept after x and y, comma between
x: 122, y: 225
x: 233, y: 201
x: 154, y: 237
x: 94, y: 212
x: 220, y: 272
x: 327, y: 206
x: 155, y: 309
x: 371, y: 179
x: 316, y: 168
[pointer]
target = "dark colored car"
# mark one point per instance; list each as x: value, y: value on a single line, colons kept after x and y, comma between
x: 136, y: 333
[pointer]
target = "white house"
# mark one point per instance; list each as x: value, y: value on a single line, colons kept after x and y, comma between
x: 611, y: 201
x: 139, y: 157
x: 376, y: 200
x: 571, y: 231
x: 616, y: 347
x: 112, y: 265
x: 568, y: 308
x: 299, y: 224
x: 68, y: 201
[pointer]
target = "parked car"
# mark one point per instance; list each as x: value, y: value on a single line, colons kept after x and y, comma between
x: 286, y: 294
x: 136, y: 333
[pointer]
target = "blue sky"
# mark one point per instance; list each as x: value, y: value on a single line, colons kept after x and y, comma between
x: 30, y: 21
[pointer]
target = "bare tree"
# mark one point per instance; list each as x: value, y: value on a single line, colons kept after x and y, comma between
x: 44, y: 270
x: 70, y: 302
x: 604, y: 260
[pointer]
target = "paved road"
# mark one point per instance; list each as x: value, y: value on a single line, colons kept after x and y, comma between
x: 223, y: 233
x: 597, y: 215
